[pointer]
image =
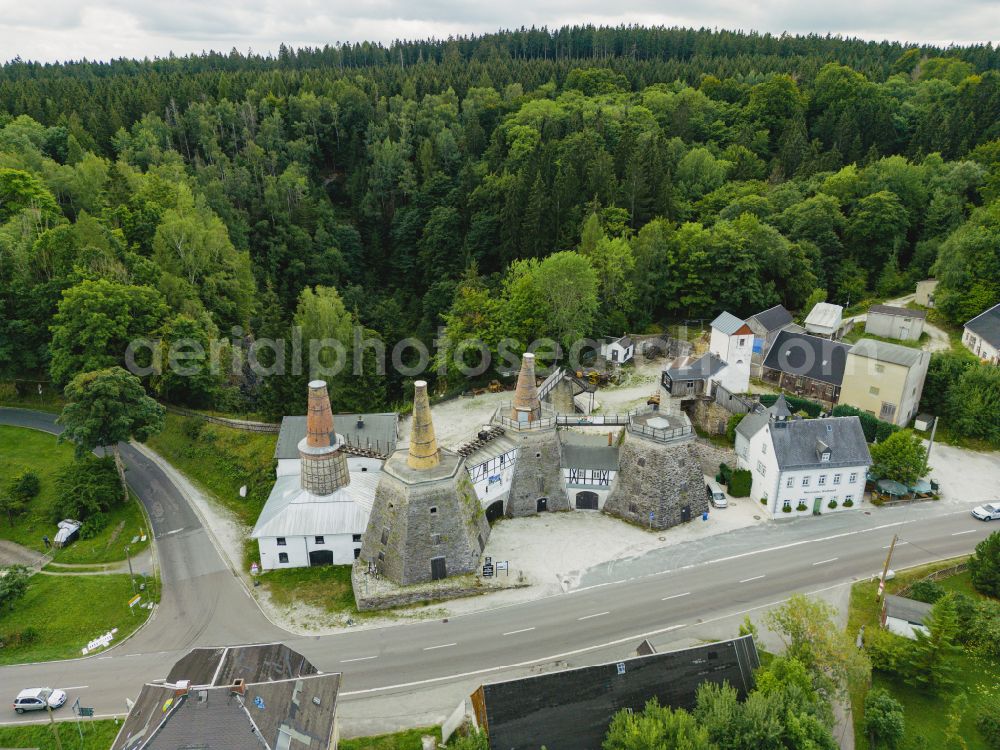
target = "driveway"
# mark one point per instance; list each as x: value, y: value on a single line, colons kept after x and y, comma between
x: 939, y: 340
x: 12, y: 553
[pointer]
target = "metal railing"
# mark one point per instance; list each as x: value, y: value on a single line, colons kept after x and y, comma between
x: 662, y: 434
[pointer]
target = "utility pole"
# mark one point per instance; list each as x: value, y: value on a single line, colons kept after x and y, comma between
x: 930, y: 443
x: 131, y: 575
x: 885, y: 570
x: 52, y: 721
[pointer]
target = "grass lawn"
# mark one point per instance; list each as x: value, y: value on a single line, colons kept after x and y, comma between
x: 327, y: 587
x: 98, y: 734
x: 220, y: 460
x: 49, y: 401
x: 66, y: 612
x: 925, y: 713
x: 858, y: 333
x: 408, y: 740
x: 21, y: 448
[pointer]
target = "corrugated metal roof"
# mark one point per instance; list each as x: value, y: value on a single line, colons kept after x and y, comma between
x: 901, y: 312
x: 293, y: 511
x: 492, y: 449
x: 379, y: 430
x: 688, y: 368
x: 825, y: 315
x: 727, y: 323
x: 883, y: 351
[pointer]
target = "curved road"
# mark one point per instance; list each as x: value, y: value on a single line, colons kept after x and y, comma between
x: 203, y: 603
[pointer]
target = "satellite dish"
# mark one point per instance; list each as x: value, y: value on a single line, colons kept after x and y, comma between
x: 243, y: 491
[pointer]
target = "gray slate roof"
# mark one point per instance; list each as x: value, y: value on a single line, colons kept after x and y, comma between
x: 909, y: 610
x: 825, y: 315
x: 773, y: 318
x: 378, y: 430
x: 797, y: 443
x: 902, y: 312
x: 588, y: 451
x: 284, y: 698
x: 808, y: 356
x: 727, y: 323
x: 883, y: 351
x: 687, y: 368
x: 986, y: 325
x: 752, y: 422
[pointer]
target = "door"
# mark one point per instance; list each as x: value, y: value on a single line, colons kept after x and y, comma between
x: 494, y: 512
x: 438, y: 569
x: 321, y: 557
x: 542, y: 505
x: 586, y: 500
x: 817, y: 505
x: 686, y: 513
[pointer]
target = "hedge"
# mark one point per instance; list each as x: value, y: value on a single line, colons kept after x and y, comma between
x: 739, y: 483
x: 795, y: 403
x: 873, y: 427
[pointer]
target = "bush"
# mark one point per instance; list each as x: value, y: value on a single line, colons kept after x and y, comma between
x: 984, y: 566
x: 873, y: 427
x: 988, y: 724
x: 926, y: 591
x: 25, y: 486
x: 763, y: 501
x: 832, y: 504
x: 193, y: 427
x: 982, y: 628
x: 725, y: 473
x: 848, y: 503
x: 19, y: 638
x: 785, y: 508
x: 887, y: 651
x: 740, y: 482
x: 94, y: 525
x: 884, y: 723
x: 800, y: 507
x: 811, y: 408
x: 731, y: 425
x: 87, y: 486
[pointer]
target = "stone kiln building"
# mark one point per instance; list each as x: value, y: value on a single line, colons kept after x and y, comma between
x: 427, y: 522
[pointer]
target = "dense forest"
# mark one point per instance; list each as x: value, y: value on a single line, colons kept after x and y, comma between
x: 517, y: 185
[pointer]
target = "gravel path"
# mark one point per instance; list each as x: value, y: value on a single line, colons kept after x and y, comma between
x: 12, y: 553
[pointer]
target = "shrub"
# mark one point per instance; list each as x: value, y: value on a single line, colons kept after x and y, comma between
x: 785, y: 508
x: 25, y: 486
x: 984, y: 566
x: 725, y: 472
x: 740, y: 482
x: 926, y: 591
x: 988, y: 724
x: 873, y: 427
x: 94, y: 525
x: 731, y: 425
x: 832, y: 504
x: 883, y: 720
x: 19, y: 638
x: 886, y: 650
x: 192, y: 428
x: 800, y: 507
x: 982, y: 628
x: 763, y: 501
x: 848, y: 503
x: 87, y: 486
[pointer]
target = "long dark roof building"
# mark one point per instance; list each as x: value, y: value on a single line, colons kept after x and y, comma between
x: 772, y: 319
x: 571, y: 709
x: 806, y: 356
x: 265, y: 697
x: 376, y: 432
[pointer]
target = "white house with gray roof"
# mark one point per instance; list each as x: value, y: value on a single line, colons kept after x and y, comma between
x: 982, y: 335
x: 732, y: 342
x: 589, y: 468
x: 806, y: 466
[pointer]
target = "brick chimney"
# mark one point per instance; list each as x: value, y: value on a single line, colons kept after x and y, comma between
x: 239, y: 687
x: 526, y: 406
x: 324, y: 465
x: 424, y: 452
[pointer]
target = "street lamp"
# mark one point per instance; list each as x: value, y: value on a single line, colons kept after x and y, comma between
x: 131, y: 575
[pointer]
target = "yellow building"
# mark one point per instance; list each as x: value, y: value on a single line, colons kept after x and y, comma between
x: 885, y: 380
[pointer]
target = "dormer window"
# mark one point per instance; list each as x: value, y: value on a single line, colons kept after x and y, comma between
x: 824, y: 456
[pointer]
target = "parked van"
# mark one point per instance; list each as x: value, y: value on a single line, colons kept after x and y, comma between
x: 715, y: 495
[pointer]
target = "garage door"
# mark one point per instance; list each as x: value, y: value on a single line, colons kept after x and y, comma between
x: 321, y: 557
x: 586, y: 500
x: 495, y: 511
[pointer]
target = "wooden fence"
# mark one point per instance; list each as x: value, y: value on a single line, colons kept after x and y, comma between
x: 236, y: 424
x: 937, y: 575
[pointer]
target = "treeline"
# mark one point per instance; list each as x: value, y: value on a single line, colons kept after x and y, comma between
x: 489, y: 186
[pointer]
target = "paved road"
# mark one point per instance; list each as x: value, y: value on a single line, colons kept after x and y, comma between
x: 204, y: 605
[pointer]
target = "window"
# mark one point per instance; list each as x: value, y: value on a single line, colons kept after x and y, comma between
x: 836, y: 478
x: 787, y: 504
x: 385, y: 535
x: 434, y: 509
x: 824, y: 456
x: 848, y: 497
x: 356, y: 538
x: 282, y: 557
x: 822, y: 480
x: 761, y: 469
x: 853, y: 478
x: 435, y: 539
x: 763, y: 448
x: 873, y: 390
x: 743, y: 342
x: 381, y: 556
x: 280, y: 541
x: 357, y: 553
x: 320, y: 540
x: 805, y: 481
x: 879, y: 368
x: 790, y: 482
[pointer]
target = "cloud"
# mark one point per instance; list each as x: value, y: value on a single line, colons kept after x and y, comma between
x: 52, y: 30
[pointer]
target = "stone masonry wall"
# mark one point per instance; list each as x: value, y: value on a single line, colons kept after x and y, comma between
x: 456, y: 531
x: 711, y: 455
x: 657, y: 478
x: 537, y: 473
x: 709, y: 416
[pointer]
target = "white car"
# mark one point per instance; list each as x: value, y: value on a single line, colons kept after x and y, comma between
x: 35, y: 699
x: 988, y: 512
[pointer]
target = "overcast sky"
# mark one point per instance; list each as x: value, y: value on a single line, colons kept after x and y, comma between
x: 52, y: 30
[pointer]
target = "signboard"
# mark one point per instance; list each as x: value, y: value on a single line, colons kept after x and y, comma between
x: 101, y: 642
x: 488, y: 568
x: 502, y: 565
x: 134, y: 600
x: 254, y: 570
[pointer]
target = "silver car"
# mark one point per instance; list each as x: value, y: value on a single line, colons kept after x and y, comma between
x: 988, y: 512
x: 36, y: 699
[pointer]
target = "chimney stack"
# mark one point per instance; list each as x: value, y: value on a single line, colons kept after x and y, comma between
x: 239, y: 687
x: 323, y: 465
x: 527, y: 407
x: 424, y: 452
